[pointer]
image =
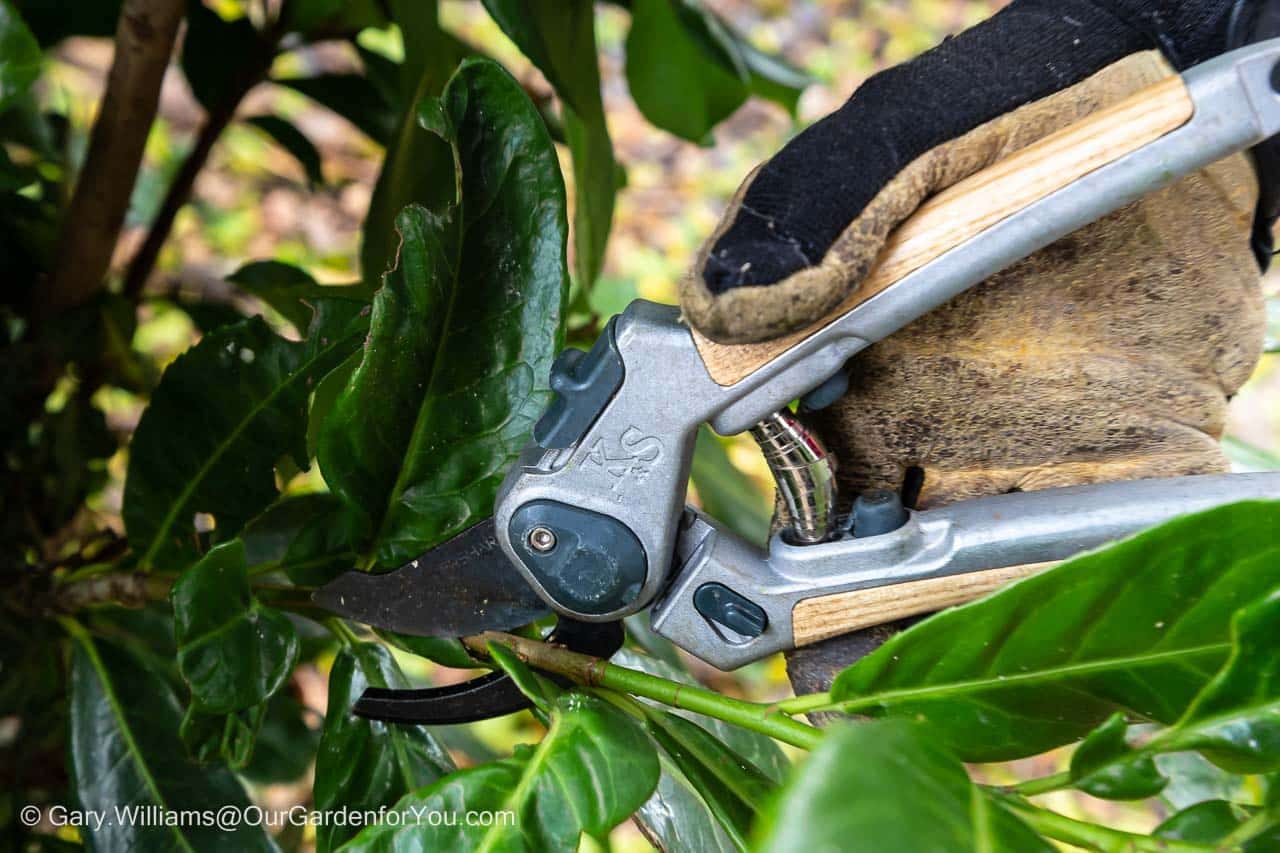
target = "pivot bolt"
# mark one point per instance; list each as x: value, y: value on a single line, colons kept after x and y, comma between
x: 541, y: 539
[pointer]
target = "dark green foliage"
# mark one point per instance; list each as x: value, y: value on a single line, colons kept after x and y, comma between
x: 125, y: 753
x: 593, y: 769
x: 363, y: 764
x: 233, y: 652
x: 221, y: 417
x: 421, y: 436
x: 208, y: 42
x: 1101, y: 765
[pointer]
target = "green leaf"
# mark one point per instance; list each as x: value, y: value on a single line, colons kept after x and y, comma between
x: 286, y: 745
x: 888, y: 786
x: 364, y: 764
x: 728, y: 494
x: 20, y: 57
x: 684, y: 71
x: 233, y: 652
x: 125, y: 753
x: 288, y: 137
x: 224, y: 412
x: 441, y: 650
x: 682, y: 813
x: 230, y: 738
x: 591, y: 771
x: 351, y: 96
x: 1214, y: 821
x: 326, y: 396
x: 1235, y: 720
x: 676, y: 817
x: 418, y: 168
x: 1140, y: 627
x: 207, y: 46
x: 770, y: 76
x: 733, y: 789
x: 463, y: 332
x: 1205, y: 822
x: 559, y: 38
x: 293, y: 292
x: 308, y: 537
x: 1101, y: 765
x: 539, y: 690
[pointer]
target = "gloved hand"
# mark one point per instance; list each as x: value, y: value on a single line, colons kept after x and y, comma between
x: 1109, y: 355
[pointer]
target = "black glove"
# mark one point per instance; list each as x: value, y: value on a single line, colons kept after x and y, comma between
x: 808, y: 224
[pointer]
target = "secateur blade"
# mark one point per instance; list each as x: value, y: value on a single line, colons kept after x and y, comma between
x: 492, y: 695
x: 461, y: 587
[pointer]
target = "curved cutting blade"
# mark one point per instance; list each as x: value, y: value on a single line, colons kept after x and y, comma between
x: 460, y: 587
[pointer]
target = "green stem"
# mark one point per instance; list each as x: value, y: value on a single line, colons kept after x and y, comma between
x: 595, y: 672
x: 73, y: 628
x: 1043, y: 785
x: 1246, y: 831
x: 291, y: 598
x: 804, y: 704
x: 1092, y: 836
x: 340, y: 630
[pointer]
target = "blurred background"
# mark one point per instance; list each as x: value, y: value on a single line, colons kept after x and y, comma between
x: 255, y: 200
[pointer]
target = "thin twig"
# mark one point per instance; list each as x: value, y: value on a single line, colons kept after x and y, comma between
x: 252, y: 71
x: 127, y: 589
x: 596, y: 672
x: 1090, y: 835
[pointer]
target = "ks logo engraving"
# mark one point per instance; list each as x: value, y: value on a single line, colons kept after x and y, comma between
x: 627, y: 459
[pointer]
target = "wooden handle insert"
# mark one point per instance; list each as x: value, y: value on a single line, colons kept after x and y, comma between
x: 971, y: 206
x: 816, y: 619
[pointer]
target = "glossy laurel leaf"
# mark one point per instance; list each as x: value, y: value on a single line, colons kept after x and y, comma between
x: 589, y: 773
x: 233, y: 652
x: 1235, y: 720
x: 1139, y: 627
x: 462, y: 334
x: 1102, y: 765
x: 311, y: 538
x: 126, y: 754
x: 224, y: 413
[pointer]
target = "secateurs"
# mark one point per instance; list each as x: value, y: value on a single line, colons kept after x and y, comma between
x: 591, y: 522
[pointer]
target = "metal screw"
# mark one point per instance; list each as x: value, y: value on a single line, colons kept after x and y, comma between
x: 541, y: 539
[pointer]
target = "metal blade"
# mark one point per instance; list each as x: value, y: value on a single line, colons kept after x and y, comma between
x: 460, y: 587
